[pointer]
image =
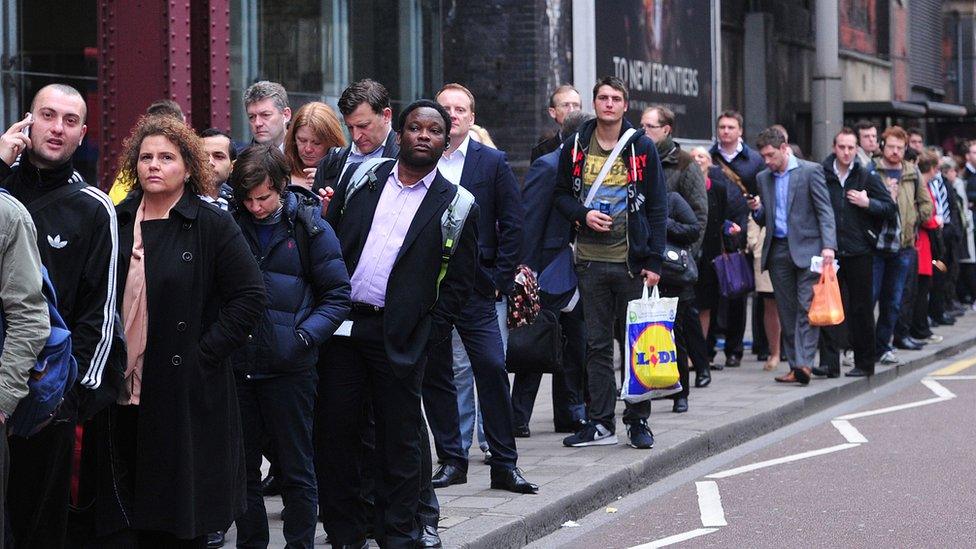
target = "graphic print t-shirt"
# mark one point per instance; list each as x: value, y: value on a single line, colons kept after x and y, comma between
x: 610, y: 247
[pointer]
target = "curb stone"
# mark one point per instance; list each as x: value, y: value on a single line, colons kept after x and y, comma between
x: 516, y: 531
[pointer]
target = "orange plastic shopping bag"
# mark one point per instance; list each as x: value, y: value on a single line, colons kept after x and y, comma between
x: 826, y: 308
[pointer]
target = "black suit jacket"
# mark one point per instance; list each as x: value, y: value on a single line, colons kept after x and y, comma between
x: 330, y: 168
x: 416, y: 312
x: 546, y: 231
x: 488, y: 177
x: 546, y: 145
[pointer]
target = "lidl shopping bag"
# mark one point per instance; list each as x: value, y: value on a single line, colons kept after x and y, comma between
x: 651, y: 357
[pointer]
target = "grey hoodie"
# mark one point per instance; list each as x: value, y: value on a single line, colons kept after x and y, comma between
x: 24, y: 307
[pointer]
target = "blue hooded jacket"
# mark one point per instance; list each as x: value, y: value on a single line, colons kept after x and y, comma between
x: 304, y: 308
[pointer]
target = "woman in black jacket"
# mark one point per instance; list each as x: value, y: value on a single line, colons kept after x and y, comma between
x: 192, y: 293
x: 308, y: 298
x: 683, y: 231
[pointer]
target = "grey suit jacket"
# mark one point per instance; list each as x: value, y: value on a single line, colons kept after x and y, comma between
x: 810, y: 221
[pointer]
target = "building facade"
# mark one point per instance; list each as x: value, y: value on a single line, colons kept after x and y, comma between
x: 903, y: 61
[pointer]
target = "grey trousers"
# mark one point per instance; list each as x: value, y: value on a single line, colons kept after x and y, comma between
x: 793, y: 288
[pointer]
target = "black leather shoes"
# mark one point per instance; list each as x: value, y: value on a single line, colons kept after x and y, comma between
x: 906, y: 345
x: 429, y: 538
x: 511, y: 480
x: 820, y: 372
x: 944, y: 320
x: 358, y: 545
x: 215, y: 539
x: 680, y: 405
x: 269, y: 486
x: 522, y: 431
x: 447, y: 475
x: 857, y: 372
x: 733, y: 362
x: 703, y: 378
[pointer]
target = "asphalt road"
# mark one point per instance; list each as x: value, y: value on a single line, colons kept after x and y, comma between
x: 872, y: 472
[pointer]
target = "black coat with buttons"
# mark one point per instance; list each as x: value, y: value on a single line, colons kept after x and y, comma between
x: 204, y: 294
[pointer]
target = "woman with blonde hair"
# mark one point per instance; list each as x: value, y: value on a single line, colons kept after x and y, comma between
x: 314, y: 130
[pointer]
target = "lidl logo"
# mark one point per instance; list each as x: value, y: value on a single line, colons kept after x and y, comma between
x: 653, y: 357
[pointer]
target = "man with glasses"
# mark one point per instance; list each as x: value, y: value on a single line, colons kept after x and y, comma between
x: 564, y: 100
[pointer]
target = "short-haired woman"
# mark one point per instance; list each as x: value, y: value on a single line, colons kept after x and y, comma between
x: 308, y: 298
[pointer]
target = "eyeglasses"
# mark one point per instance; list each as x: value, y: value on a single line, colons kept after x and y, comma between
x: 653, y: 127
x: 568, y: 105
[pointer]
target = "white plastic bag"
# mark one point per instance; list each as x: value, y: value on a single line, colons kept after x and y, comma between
x: 651, y: 361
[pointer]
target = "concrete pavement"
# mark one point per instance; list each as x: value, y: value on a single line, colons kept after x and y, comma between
x: 740, y: 404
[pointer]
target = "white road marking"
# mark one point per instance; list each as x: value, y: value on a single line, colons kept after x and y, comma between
x: 710, y: 504
x: 779, y: 461
x: 936, y: 387
x: 953, y: 378
x: 849, y: 432
x: 678, y: 538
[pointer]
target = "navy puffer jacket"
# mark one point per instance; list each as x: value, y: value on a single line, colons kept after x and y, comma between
x: 301, y: 305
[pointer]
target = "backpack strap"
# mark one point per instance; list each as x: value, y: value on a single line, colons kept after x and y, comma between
x: 75, y: 184
x: 452, y: 223
x: 365, y: 174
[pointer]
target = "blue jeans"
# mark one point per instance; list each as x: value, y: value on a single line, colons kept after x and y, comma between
x: 890, y: 274
x: 279, y: 408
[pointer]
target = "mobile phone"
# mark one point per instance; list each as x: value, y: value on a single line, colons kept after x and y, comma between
x: 30, y: 120
x: 749, y: 196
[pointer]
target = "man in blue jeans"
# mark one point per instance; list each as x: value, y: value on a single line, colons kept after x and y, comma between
x: 611, y: 185
x: 892, y: 272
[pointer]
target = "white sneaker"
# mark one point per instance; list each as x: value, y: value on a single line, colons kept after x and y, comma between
x: 592, y: 434
x: 889, y: 357
x: 934, y: 338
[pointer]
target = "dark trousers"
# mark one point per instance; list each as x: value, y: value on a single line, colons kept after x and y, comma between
x: 907, y: 312
x: 605, y: 289
x: 38, y: 485
x: 359, y: 370
x: 857, y: 288
x: 891, y: 273
x: 966, y: 285
x: 920, y: 314
x: 681, y: 321
x: 567, y: 384
x: 730, y: 319
x: 760, y: 345
x: 478, y: 327
x: 440, y: 401
x: 279, y: 409
x: 695, y: 340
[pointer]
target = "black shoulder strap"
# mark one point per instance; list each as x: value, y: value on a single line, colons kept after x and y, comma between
x: 54, y: 196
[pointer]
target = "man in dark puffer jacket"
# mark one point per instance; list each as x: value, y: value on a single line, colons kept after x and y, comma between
x: 308, y: 292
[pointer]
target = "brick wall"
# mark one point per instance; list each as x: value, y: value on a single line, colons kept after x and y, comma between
x: 509, y: 54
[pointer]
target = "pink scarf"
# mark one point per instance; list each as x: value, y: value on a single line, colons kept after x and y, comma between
x: 135, y: 313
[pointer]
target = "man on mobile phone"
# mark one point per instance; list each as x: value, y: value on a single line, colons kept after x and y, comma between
x: 77, y: 239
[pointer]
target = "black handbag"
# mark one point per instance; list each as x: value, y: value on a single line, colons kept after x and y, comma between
x: 678, y: 266
x: 536, y: 347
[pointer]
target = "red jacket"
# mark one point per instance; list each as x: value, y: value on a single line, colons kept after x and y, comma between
x: 923, y: 244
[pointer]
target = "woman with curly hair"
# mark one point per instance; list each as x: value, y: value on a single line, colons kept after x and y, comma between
x: 192, y: 293
x: 315, y: 129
